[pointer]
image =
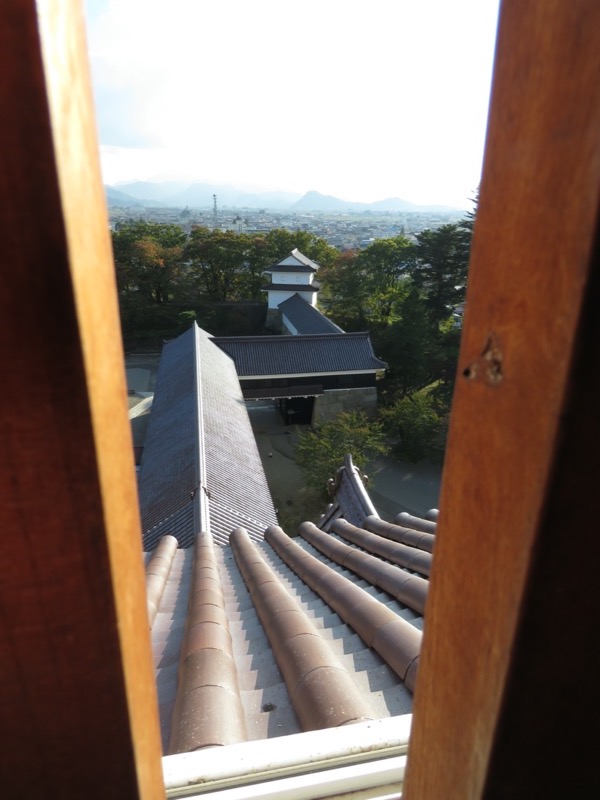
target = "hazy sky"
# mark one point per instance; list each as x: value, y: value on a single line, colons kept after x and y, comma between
x: 363, y: 99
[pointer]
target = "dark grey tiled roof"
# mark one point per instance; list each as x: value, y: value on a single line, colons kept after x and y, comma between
x: 168, y: 473
x: 299, y: 263
x: 200, y: 469
x: 301, y: 355
x: 306, y: 318
x: 239, y: 493
x: 292, y: 287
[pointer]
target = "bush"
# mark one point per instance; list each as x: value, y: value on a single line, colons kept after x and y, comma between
x: 418, y: 425
x: 319, y: 453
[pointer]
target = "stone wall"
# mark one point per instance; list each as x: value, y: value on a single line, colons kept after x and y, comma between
x: 334, y: 401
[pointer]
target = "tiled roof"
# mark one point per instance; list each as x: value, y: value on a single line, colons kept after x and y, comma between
x: 301, y: 355
x: 167, y: 474
x: 188, y: 477
x: 265, y: 635
x: 235, y: 480
x: 306, y: 318
x: 294, y: 262
x: 289, y: 634
x: 292, y: 287
x: 352, y: 501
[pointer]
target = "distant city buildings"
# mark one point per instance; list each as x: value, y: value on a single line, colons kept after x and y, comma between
x: 342, y: 230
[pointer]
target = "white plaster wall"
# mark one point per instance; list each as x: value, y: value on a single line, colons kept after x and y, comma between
x: 292, y: 277
x: 310, y: 297
x: 276, y: 297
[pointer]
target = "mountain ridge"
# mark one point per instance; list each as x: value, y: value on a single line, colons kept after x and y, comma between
x: 315, y: 201
x: 179, y: 194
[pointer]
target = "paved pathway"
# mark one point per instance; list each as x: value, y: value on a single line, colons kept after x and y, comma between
x: 394, y: 486
x: 275, y: 443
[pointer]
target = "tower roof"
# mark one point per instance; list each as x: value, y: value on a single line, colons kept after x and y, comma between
x: 294, y: 262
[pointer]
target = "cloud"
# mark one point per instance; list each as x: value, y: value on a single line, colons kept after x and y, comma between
x: 371, y: 98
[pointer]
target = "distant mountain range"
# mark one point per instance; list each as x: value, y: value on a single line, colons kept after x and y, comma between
x: 200, y: 195
x: 315, y: 201
x: 195, y: 195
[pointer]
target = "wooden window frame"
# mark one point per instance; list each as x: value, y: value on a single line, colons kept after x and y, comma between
x: 507, y: 672
x: 512, y: 608
x: 78, y: 706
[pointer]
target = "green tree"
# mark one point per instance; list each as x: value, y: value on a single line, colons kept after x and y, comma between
x: 257, y: 258
x: 411, y: 346
x: 440, y: 266
x: 345, y: 292
x: 384, y: 265
x: 216, y: 261
x: 418, y: 425
x: 385, y: 261
x: 148, y: 259
x: 321, y: 452
x: 364, y: 289
x: 280, y: 242
x: 468, y: 222
x: 231, y: 266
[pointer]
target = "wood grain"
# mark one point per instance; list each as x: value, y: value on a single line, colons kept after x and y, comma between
x: 77, y: 694
x: 533, y: 257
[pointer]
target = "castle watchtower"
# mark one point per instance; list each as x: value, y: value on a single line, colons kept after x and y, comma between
x: 294, y: 274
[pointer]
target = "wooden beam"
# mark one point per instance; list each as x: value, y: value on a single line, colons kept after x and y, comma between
x: 506, y: 665
x: 77, y: 697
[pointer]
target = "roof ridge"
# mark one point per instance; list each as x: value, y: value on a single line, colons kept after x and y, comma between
x: 206, y: 713
x: 292, y: 337
x: 200, y: 497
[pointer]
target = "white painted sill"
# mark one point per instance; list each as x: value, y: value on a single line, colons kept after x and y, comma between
x: 365, y: 760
